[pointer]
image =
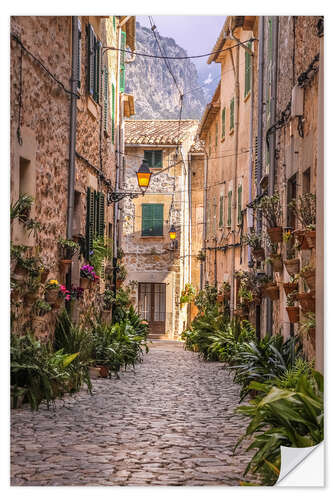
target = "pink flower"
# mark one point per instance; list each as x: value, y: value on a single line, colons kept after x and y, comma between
x: 62, y: 288
x: 68, y: 297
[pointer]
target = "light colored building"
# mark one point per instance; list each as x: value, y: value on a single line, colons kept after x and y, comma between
x: 159, y: 269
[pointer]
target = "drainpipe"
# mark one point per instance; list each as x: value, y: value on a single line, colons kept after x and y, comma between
x: 259, y: 143
x: 72, y: 131
x: 190, y: 217
x: 204, y: 232
x: 249, y: 257
x: 272, y: 143
x: 234, y: 206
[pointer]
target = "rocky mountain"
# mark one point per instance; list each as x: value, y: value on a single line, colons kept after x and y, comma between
x: 148, y: 79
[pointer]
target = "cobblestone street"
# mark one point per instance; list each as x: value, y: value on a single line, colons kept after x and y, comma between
x: 169, y: 423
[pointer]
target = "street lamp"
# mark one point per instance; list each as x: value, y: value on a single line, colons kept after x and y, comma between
x: 172, y: 232
x: 143, y: 176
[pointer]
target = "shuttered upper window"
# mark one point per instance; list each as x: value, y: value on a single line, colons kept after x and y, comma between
x: 229, y: 208
x: 152, y: 219
x: 122, y: 62
x: 239, y: 205
x: 223, y: 123
x: 106, y: 99
x: 94, y: 65
x: 154, y: 158
x: 95, y: 218
x: 248, y: 70
x: 221, y: 212
x: 232, y: 118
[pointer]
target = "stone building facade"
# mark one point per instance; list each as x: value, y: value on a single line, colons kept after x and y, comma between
x: 157, y: 268
x: 58, y: 132
x: 225, y: 129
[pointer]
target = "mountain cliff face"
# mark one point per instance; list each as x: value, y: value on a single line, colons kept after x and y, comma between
x: 156, y: 95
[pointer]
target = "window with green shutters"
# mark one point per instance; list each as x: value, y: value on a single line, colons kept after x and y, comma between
x: 113, y: 113
x: 232, y: 119
x: 223, y: 123
x: 248, y: 71
x: 114, y: 22
x: 239, y: 205
x: 154, y: 158
x: 94, y: 65
x: 106, y: 99
x: 122, y: 62
x: 152, y: 219
x: 229, y: 208
x: 95, y: 218
x: 221, y: 212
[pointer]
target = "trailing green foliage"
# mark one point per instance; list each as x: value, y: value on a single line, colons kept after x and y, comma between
x: 283, y: 417
x: 38, y: 372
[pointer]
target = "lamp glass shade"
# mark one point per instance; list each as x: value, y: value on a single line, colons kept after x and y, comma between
x: 172, y: 233
x: 143, y: 176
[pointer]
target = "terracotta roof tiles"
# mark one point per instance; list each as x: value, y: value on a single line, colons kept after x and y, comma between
x: 158, y: 131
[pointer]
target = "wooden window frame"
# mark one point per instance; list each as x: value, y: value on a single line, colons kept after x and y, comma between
x: 152, y: 152
x: 153, y: 232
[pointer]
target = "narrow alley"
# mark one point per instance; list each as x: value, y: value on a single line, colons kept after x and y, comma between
x: 171, y: 422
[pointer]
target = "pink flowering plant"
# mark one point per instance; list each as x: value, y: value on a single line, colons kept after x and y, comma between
x: 88, y: 272
x: 77, y: 292
x: 64, y: 293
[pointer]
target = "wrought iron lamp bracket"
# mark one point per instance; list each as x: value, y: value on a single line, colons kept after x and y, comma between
x: 114, y: 197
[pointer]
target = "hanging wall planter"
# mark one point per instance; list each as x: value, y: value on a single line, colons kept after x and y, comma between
x: 311, y: 238
x: 271, y: 291
x: 85, y: 283
x: 293, y: 313
x: 51, y: 296
x: 307, y: 302
x: 275, y: 234
x: 290, y: 287
x: 310, y: 278
x: 277, y: 262
x: 292, y: 266
x: 258, y: 254
x: 301, y: 241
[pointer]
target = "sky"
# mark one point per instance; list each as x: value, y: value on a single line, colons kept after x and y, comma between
x: 196, y: 34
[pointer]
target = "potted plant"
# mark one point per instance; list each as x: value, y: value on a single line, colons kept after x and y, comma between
x: 307, y: 301
x: 87, y: 276
x: 254, y: 241
x: 275, y: 260
x: 308, y: 325
x: 52, y: 288
x: 187, y: 294
x: 41, y: 308
x: 67, y: 249
x: 31, y: 294
x: 292, y: 286
x: 201, y: 256
x: 270, y: 208
x: 305, y: 211
x: 226, y: 290
x: 271, y: 290
x: 121, y: 275
x: 292, y: 310
x: 76, y: 292
x: 308, y: 273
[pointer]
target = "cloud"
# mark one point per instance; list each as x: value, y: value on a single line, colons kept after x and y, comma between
x: 209, y: 79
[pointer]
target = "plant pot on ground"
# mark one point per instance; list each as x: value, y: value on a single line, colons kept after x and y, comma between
x: 292, y: 266
x: 103, y: 371
x: 94, y: 372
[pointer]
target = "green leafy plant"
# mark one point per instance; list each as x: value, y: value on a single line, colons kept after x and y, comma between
x: 188, y: 294
x: 201, y: 256
x: 101, y: 250
x: 252, y: 239
x: 305, y: 210
x: 270, y: 208
x: 21, y: 209
x: 283, y: 417
x: 206, y: 298
x: 68, y: 248
x: 42, y: 307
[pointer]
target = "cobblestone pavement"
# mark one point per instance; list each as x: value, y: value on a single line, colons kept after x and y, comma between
x: 170, y: 423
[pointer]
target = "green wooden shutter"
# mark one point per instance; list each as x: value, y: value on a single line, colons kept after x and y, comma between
x: 232, y: 120
x: 158, y: 220
x: 79, y: 54
x: 122, y: 62
x: 113, y: 113
x: 239, y: 204
x: 248, y: 69
x: 221, y: 212
x: 106, y: 99
x: 157, y: 163
x: 229, y: 208
x: 148, y: 156
x: 114, y: 22
x: 91, y: 59
x: 223, y: 123
x: 98, y: 60
x: 90, y: 215
x: 96, y: 208
x: 101, y: 215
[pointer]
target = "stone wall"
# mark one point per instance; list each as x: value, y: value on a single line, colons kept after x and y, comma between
x: 45, y: 125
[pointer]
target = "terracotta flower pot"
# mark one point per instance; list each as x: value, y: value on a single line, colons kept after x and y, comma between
x: 106, y: 316
x: 307, y: 302
x: 38, y: 322
x: 310, y: 278
x: 290, y: 287
x: 20, y: 274
x: 51, y: 296
x: 119, y: 283
x: 30, y: 299
x: 258, y: 254
x: 94, y: 372
x: 275, y: 234
x: 103, y: 371
x: 84, y: 283
x: 292, y: 266
x: 44, y: 274
x: 310, y: 237
x: 277, y: 262
x: 65, y: 264
x: 220, y: 298
x: 293, y: 313
x: 272, y: 292
x: 301, y: 240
